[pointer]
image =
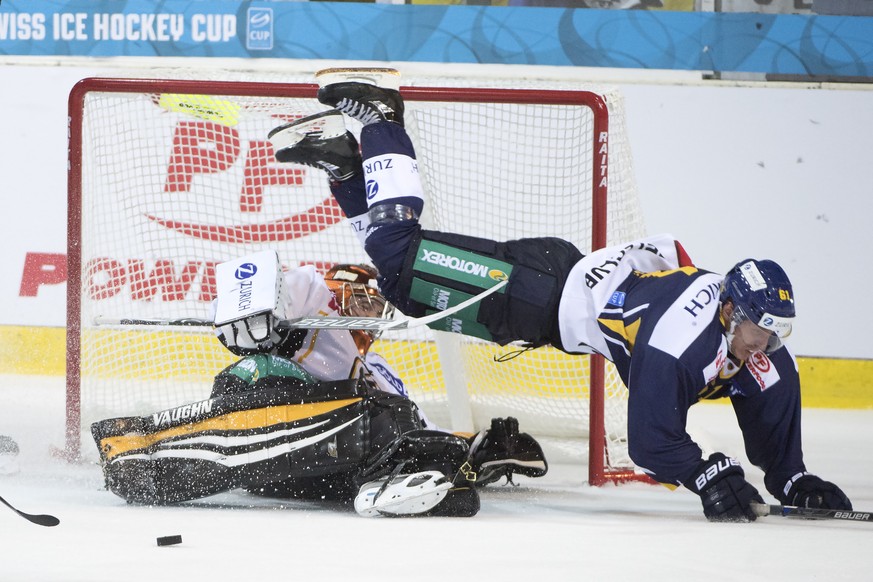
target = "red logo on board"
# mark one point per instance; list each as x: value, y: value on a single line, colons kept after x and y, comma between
x: 205, y: 147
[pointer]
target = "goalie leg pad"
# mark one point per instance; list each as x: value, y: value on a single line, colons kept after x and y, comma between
x: 249, y: 439
x: 388, y: 416
x: 162, y: 481
x: 335, y: 487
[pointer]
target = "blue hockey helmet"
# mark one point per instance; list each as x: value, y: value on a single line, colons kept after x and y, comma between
x: 761, y: 293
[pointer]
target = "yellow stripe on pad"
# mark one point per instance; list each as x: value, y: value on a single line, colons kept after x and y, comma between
x: 242, y: 420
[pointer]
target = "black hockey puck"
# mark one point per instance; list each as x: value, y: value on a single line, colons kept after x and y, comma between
x: 169, y: 540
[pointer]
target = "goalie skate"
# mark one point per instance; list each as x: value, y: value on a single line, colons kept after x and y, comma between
x: 320, y: 141
x: 410, y: 494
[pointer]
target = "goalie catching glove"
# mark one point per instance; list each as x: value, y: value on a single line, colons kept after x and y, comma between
x: 723, y: 489
x: 807, y: 490
x: 501, y: 451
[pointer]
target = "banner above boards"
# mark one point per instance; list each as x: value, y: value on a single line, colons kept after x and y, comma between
x: 780, y: 44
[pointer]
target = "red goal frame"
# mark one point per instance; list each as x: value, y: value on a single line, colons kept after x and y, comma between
x: 598, y: 472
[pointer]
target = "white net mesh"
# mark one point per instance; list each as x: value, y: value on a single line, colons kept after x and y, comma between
x: 172, y: 185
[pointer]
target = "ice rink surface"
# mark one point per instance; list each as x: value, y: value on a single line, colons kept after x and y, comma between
x: 555, y: 528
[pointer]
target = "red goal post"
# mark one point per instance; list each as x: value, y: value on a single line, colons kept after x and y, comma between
x: 122, y: 133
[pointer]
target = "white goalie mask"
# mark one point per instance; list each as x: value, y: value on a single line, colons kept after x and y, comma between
x: 251, y: 300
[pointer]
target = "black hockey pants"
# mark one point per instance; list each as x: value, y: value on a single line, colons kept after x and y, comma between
x: 425, y: 271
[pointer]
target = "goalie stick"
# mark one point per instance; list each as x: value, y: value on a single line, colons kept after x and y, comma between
x: 316, y: 322
x: 44, y: 520
x: 762, y: 510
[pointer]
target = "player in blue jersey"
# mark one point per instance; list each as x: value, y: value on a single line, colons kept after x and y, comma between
x: 677, y: 334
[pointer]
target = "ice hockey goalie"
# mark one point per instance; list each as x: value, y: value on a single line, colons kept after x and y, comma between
x: 271, y: 427
x: 292, y: 422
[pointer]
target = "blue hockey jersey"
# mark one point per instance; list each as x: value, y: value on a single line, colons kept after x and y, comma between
x: 659, y: 323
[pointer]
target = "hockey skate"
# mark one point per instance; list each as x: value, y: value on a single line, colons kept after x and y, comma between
x: 424, y: 494
x: 501, y: 451
x: 410, y: 494
x: 368, y: 95
x: 320, y: 141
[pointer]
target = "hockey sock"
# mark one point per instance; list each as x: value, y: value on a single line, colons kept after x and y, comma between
x: 352, y: 198
x: 390, y: 168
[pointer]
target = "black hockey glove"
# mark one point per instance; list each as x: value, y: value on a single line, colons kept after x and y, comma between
x: 806, y: 490
x: 723, y: 489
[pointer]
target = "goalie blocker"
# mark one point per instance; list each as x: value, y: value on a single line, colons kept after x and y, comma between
x: 273, y: 429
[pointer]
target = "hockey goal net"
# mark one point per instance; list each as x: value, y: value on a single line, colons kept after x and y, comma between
x: 169, y: 177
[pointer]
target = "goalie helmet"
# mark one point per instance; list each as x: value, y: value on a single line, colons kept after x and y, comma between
x: 357, y: 296
x: 760, y: 292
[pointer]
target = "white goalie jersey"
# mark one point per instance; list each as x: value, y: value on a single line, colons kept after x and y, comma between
x: 326, y: 354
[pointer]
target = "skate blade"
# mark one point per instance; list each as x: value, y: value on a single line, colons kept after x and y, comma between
x: 324, y: 125
x: 408, y: 495
x: 381, y: 77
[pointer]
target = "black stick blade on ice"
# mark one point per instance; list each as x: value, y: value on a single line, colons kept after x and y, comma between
x: 45, y: 520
